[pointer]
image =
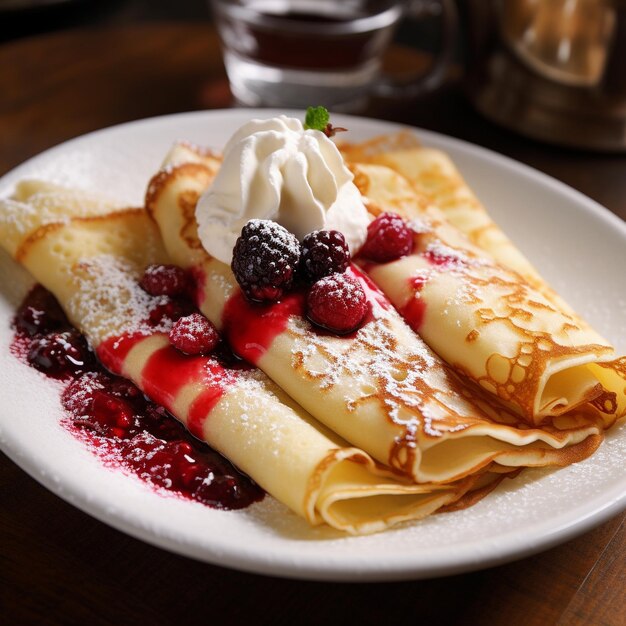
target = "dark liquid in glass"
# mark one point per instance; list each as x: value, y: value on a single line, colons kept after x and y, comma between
x: 280, y: 44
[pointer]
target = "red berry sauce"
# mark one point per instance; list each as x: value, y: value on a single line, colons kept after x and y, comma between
x: 372, y: 292
x: 121, y: 425
x: 415, y: 309
x: 442, y: 259
x: 252, y: 327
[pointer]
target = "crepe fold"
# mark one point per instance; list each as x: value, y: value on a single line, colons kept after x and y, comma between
x: 91, y: 258
x: 515, y: 340
x: 381, y: 388
x: 435, y: 179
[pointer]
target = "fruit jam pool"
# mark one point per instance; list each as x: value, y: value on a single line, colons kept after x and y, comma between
x: 113, y: 418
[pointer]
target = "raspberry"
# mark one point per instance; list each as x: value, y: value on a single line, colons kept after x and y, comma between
x: 171, y: 310
x: 111, y: 416
x: 194, y: 334
x: 265, y: 258
x: 158, y: 422
x: 337, y: 302
x: 388, y: 238
x: 324, y: 252
x: 165, y: 280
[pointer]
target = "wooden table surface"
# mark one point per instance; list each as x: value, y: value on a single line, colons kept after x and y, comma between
x: 60, y: 566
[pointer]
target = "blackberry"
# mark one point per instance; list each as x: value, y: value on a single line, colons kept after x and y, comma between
x: 265, y: 259
x: 324, y: 252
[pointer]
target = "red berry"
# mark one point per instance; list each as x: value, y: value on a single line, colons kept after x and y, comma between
x: 324, y: 252
x: 265, y: 258
x: 170, y: 310
x: 158, y: 422
x: 165, y: 280
x: 337, y: 302
x: 194, y: 334
x: 215, y: 489
x: 40, y: 313
x: 388, y: 238
x: 112, y: 415
x: 127, y: 391
x: 58, y: 354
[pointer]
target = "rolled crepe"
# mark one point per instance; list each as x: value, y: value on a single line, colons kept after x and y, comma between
x: 484, y: 319
x: 35, y: 204
x: 435, y: 179
x: 92, y: 264
x: 381, y: 388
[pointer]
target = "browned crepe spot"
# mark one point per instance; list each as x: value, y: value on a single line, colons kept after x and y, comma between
x: 402, y: 140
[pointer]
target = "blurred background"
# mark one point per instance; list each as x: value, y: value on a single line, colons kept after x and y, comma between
x: 554, y: 70
x: 21, y: 18
x: 528, y: 78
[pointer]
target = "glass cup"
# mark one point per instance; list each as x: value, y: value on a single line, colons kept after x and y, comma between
x: 298, y: 53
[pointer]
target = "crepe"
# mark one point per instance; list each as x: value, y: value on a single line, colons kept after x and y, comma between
x: 397, y: 174
x: 381, y: 388
x: 485, y: 319
x: 435, y: 180
x: 92, y: 263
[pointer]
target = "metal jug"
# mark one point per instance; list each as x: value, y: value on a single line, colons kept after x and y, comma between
x: 551, y: 69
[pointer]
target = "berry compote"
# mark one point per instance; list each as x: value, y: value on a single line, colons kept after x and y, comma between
x: 114, y: 418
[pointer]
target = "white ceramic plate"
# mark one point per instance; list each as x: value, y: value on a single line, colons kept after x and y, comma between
x: 578, y: 245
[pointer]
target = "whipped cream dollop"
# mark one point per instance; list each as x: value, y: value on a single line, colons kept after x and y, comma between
x: 274, y: 169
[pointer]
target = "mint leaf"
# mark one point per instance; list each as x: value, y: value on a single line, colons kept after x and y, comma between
x: 317, y: 118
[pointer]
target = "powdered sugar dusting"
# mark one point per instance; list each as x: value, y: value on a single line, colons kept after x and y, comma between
x: 342, y: 288
x: 247, y: 408
x: 388, y: 365
x: 37, y: 203
x: 108, y: 300
x: 19, y: 216
x: 419, y: 226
